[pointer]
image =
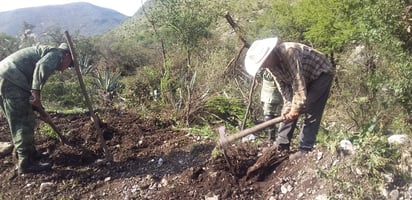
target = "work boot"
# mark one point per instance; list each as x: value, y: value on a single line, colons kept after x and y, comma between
x: 37, y: 156
x: 299, y: 154
x: 33, y: 167
x: 282, y: 147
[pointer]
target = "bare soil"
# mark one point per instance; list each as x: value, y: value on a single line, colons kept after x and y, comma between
x: 154, y: 160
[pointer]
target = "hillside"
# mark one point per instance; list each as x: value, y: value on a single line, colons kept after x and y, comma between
x: 153, y: 160
x: 84, y: 17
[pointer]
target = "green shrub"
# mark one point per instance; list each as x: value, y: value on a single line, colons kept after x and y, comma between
x: 63, y: 92
x: 230, y: 110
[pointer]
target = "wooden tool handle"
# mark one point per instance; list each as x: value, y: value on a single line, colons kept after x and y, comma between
x: 225, y: 140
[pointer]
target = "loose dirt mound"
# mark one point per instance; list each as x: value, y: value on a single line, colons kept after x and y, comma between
x: 152, y: 160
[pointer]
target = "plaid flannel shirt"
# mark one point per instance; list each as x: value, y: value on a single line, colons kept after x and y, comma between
x: 299, y: 66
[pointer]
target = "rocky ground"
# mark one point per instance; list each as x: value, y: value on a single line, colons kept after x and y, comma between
x: 154, y: 160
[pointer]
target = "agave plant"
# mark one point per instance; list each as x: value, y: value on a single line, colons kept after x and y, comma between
x: 108, y: 82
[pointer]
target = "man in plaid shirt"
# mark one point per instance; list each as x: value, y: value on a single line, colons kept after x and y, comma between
x: 304, y: 78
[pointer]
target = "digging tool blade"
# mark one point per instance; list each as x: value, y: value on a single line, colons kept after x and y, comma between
x: 222, y: 133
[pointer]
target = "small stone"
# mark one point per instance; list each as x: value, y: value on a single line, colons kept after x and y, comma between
x: 248, y: 138
x: 47, y: 186
x: 5, y: 148
x: 212, y: 197
x: 284, y: 189
x: 164, y: 182
x: 160, y: 162
x: 388, y: 178
x: 319, y: 156
x: 398, y: 139
x: 322, y: 197
x: 394, y: 195
x: 346, y: 148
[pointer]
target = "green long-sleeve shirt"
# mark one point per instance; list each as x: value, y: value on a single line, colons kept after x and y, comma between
x: 29, y: 68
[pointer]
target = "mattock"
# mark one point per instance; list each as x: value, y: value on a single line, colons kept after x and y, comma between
x: 223, y: 140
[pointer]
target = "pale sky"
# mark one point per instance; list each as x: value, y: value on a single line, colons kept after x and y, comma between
x: 126, y: 7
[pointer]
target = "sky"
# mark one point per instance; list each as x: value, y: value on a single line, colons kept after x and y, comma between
x: 126, y: 7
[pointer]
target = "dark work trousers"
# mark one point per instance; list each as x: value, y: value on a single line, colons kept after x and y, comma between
x: 317, y: 95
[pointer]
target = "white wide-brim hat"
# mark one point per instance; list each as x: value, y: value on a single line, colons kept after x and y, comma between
x: 257, y: 54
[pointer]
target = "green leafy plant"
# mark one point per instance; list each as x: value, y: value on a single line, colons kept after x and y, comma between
x: 108, y: 85
x: 186, y: 22
x: 374, y: 152
x: 402, y: 87
x: 362, y: 174
x: 230, y: 110
x: 45, y: 129
x: 63, y: 92
x: 206, y: 132
x: 108, y: 81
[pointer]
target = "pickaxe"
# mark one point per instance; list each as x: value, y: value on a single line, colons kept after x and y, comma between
x: 223, y: 140
x: 44, y: 116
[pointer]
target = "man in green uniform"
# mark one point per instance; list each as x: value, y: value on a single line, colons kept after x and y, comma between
x: 22, y: 76
x: 271, y: 101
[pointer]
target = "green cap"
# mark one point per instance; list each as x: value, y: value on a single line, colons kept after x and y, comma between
x: 65, y: 47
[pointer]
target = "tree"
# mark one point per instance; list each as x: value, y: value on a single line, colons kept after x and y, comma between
x: 324, y: 24
x: 27, y: 37
x: 183, y: 21
x: 8, y: 45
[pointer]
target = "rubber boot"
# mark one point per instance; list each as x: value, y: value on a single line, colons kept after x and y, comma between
x: 37, y: 155
x: 33, y: 167
x: 271, y: 130
x: 29, y: 165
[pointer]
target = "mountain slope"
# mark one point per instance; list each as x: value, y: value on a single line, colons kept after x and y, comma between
x: 84, y: 17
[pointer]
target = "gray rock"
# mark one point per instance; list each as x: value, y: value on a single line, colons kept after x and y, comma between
x: 394, y: 195
x: 212, y: 197
x: 47, y: 187
x: 321, y: 197
x: 346, y: 148
x: 5, y: 148
x: 398, y: 139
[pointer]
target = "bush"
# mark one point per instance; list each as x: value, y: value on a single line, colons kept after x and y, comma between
x: 63, y: 92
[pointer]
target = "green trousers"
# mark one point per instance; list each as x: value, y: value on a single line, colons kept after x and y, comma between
x: 22, y: 121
